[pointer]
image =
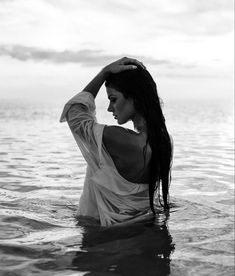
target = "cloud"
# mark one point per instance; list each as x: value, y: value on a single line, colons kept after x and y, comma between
x: 209, y: 6
x: 101, y: 5
x: 24, y: 53
x: 191, y: 17
x: 85, y: 57
x: 5, y: 1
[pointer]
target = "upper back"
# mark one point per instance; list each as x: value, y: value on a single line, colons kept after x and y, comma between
x: 126, y: 149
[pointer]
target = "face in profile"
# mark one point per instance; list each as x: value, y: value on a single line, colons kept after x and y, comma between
x: 122, y: 108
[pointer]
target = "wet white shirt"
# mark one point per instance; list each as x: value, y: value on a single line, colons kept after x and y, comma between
x: 106, y: 196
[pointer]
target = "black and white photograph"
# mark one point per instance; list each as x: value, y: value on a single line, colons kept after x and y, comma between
x: 117, y: 138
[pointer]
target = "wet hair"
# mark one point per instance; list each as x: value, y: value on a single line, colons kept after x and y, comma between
x: 139, y: 85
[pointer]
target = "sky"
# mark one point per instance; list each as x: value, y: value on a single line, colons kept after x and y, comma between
x: 50, y: 49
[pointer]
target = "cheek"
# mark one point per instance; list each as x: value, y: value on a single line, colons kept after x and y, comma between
x: 127, y: 110
x: 118, y: 106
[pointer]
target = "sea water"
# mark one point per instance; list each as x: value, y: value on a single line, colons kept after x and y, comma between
x: 41, y: 180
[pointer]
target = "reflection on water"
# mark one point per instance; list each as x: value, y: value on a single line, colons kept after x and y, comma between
x: 125, y: 251
x: 41, y: 180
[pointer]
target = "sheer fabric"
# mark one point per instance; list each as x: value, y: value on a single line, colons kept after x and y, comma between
x: 106, y: 196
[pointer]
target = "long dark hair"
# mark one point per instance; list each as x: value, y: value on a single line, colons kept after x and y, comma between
x: 140, y: 86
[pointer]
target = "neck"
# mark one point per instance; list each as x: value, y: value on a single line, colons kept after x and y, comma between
x: 140, y: 124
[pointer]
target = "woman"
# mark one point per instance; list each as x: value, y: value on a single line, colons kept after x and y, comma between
x: 125, y: 167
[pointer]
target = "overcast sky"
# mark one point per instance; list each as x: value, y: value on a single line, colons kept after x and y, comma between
x: 52, y: 48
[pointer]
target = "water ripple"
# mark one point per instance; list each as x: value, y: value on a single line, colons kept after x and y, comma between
x: 42, y: 174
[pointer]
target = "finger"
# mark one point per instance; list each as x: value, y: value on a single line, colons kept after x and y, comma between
x: 143, y: 65
x: 133, y: 61
x: 129, y: 60
x: 139, y: 63
x: 129, y: 67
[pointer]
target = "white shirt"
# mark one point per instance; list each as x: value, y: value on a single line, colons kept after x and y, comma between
x: 106, y: 196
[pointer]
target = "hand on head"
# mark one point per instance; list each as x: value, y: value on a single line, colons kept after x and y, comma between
x: 123, y: 64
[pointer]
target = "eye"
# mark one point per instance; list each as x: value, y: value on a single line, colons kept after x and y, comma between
x: 112, y: 100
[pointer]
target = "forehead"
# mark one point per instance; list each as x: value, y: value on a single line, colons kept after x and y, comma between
x: 113, y: 92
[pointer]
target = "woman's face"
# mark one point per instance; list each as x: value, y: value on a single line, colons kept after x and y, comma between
x: 123, y: 109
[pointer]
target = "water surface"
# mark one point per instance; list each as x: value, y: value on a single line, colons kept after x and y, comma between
x: 42, y: 175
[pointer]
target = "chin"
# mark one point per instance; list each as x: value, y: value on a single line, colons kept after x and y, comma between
x: 121, y: 122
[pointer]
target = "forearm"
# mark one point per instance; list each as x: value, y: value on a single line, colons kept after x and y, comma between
x: 95, y: 84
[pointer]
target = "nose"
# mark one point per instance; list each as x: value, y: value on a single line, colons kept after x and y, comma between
x: 110, y: 108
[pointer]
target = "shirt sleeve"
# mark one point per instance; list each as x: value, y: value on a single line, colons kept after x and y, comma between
x: 80, y: 114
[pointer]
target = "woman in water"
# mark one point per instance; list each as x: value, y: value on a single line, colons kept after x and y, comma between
x: 125, y: 168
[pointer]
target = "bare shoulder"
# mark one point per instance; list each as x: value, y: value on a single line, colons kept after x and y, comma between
x: 115, y: 134
x: 117, y: 139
